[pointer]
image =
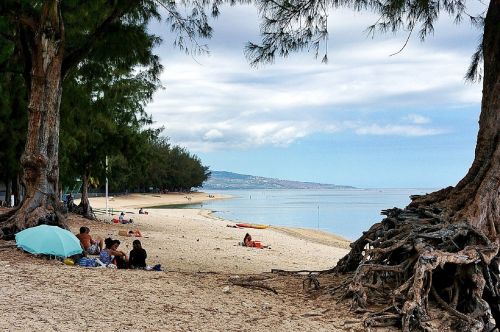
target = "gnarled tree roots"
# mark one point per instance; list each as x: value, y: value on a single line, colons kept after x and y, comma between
x: 412, y: 256
x: 17, y: 219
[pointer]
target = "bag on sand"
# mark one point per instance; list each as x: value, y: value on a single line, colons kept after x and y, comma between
x: 87, y: 262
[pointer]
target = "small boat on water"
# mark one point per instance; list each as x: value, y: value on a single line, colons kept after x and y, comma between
x: 257, y: 226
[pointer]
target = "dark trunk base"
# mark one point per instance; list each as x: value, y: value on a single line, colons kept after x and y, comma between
x: 18, y: 219
x: 414, y: 256
x: 85, y: 210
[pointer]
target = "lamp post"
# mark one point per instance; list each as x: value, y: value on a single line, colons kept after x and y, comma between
x: 106, y: 185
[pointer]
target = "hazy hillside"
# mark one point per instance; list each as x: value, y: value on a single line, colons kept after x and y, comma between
x: 229, y: 180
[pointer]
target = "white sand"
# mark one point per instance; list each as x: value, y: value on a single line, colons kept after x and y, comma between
x: 190, y: 240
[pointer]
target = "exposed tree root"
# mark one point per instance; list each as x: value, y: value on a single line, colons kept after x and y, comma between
x: 85, y: 211
x: 414, y: 253
x: 252, y: 284
x: 18, y: 219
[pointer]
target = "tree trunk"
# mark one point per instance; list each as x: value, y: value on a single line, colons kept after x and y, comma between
x: 8, y: 192
x: 40, y: 158
x: 476, y: 198
x: 18, y: 190
x: 445, y: 245
x: 84, y: 208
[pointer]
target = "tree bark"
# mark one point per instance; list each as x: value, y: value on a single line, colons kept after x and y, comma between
x: 8, y: 192
x: 476, y: 198
x: 84, y: 208
x: 40, y: 158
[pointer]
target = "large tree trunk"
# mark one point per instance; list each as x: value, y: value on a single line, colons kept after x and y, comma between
x: 40, y: 158
x: 445, y: 245
x: 476, y: 198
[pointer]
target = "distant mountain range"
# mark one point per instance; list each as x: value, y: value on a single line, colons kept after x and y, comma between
x: 229, y: 180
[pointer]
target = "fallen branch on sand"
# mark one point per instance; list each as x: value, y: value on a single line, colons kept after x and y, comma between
x: 252, y: 284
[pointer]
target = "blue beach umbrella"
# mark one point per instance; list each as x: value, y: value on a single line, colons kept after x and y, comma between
x: 48, y: 240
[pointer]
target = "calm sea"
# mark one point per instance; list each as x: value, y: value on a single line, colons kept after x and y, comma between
x: 346, y: 212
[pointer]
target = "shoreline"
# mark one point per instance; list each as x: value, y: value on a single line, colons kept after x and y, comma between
x: 170, y: 200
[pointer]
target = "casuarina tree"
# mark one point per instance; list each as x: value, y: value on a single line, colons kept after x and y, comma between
x: 56, y: 36
x: 444, y: 245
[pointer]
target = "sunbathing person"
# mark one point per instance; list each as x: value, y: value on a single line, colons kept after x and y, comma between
x: 136, y: 233
x: 130, y: 233
x: 248, y: 242
x: 137, y: 256
x: 91, y: 246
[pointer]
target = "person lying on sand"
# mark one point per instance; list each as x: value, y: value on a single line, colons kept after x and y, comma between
x: 130, y: 233
x: 89, y: 245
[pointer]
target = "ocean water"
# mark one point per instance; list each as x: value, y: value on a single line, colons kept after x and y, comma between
x: 346, y: 212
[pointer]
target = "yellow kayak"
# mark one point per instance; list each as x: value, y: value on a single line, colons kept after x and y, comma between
x: 258, y: 226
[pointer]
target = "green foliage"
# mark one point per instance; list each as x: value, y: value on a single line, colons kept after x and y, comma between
x: 292, y: 26
x: 158, y: 165
x: 110, y: 73
x: 13, y: 97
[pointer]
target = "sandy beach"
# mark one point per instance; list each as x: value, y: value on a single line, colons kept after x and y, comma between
x: 191, y: 240
x: 196, y: 291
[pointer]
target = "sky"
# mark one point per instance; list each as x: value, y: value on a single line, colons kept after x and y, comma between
x: 365, y: 119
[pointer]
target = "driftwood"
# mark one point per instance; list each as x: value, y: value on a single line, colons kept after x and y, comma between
x: 413, y: 256
x: 252, y: 283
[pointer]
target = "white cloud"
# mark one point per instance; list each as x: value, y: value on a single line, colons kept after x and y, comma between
x: 397, y: 130
x: 219, y: 102
x: 213, y: 134
x: 417, y: 119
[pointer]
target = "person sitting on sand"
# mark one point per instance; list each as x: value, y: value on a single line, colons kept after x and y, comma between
x: 121, y: 260
x: 110, y: 254
x: 137, y: 256
x: 247, y: 241
x: 122, y: 219
x: 141, y: 211
x: 91, y: 246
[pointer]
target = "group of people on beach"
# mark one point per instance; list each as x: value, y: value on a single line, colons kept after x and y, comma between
x: 110, y: 254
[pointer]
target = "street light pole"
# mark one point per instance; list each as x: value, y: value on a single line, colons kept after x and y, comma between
x: 106, y: 185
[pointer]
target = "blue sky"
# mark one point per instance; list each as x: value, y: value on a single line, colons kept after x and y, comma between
x: 366, y: 119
